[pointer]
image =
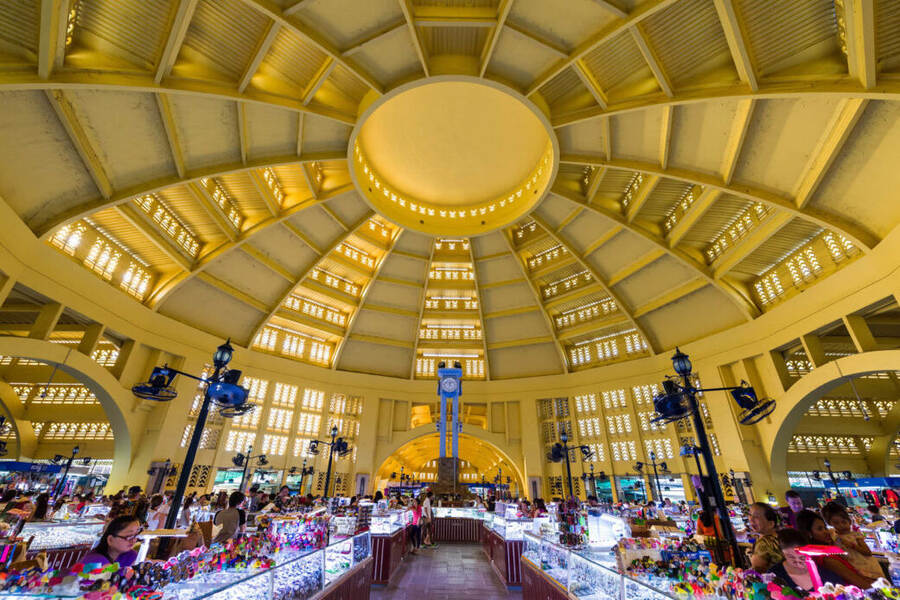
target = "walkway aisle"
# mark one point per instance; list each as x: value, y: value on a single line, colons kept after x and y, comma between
x: 448, y: 572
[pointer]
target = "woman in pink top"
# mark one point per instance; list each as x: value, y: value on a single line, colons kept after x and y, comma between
x: 415, y: 531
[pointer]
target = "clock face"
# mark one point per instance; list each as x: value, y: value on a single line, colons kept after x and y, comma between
x: 449, y: 385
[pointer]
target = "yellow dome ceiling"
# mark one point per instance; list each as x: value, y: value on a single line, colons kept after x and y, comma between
x: 701, y: 161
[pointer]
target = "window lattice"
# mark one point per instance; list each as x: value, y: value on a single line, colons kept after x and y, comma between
x: 285, y: 395
x: 280, y: 420
x: 619, y: 424
x: 57, y: 393
x: 239, y: 441
x: 661, y: 446
x: 624, y: 451
x: 643, y: 394
x: 274, y: 445
x: 586, y: 404
x: 590, y: 427
x: 827, y: 444
x: 103, y: 258
x: 613, y: 399
x: 75, y: 431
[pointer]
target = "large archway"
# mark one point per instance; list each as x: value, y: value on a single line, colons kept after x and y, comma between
x: 115, y: 400
x: 815, y: 386
x: 418, y: 454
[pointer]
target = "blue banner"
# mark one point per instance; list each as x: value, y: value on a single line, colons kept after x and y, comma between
x: 27, y: 467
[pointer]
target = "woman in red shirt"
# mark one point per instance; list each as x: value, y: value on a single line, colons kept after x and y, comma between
x: 415, y: 531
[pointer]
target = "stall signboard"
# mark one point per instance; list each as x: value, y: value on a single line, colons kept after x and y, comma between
x: 27, y: 467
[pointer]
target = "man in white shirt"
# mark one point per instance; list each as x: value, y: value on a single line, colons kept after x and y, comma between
x: 428, y: 515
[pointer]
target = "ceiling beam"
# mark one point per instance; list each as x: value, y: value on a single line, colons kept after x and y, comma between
x: 755, y: 238
x: 525, y: 33
x: 420, y: 312
x: 50, y: 221
x: 591, y: 83
x: 670, y: 296
x: 203, y: 198
x: 52, y: 36
x: 268, y: 262
x: 665, y: 135
x: 140, y: 221
x: 734, y: 35
x: 171, y: 128
x: 620, y: 304
x: 606, y: 130
x: 300, y: 121
x: 690, y: 217
x: 243, y: 133
x: 608, y: 32
x: 602, y: 239
x: 338, y: 240
x: 167, y: 287
x: 178, y: 27
x: 739, y: 297
x: 368, y: 38
x: 323, y: 327
x: 487, y: 370
x: 319, y: 79
x: 331, y: 214
x: 612, y: 8
x: 382, y: 341
x: 543, y: 339
x: 631, y: 269
x: 640, y: 38
x: 262, y: 48
x: 739, y: 127
x: 493, y: 37
x: 865, y: 240
x: 407, y: 8
x: 265, y: 192
x: 536, y: 294
x: 828, y: 148
x: 862, y: 62
x: 310, y: 181
x: 390, y: 310
x: 232, y: 291
x: 303, y: 237
x: 576, y: 212
x: 79, y: 138
x: 310, y: 35
x: 641, y: 196
x: 455, y: 16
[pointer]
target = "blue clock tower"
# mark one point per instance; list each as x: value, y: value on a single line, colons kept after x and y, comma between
x: 449, y: 389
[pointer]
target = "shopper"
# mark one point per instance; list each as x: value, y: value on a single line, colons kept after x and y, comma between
x: 231, y: 520
x: 41, y: 506
x: 415, y: 532
x: 186, y: 517
x: 793, y: 570
x: 794, y: 506
x: 813, y: 525
x: 428, y: 516
x: 117, y: 543
x: 156, y: 515
x: 858, y: 553
x: 766, y: 552
x: 709, y: 525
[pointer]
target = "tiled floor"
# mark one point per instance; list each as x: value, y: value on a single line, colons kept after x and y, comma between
x: 448, y: 572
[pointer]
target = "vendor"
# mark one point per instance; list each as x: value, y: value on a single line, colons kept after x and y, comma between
x: 853, y: 542
x: 231, y: 519
x: 793, y: 571
x: 794, y: 506
x: 766, y: 552
x: 814, y: 527
x: 117, y: 543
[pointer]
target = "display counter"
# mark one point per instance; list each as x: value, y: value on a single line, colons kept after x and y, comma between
x: 389, y: 542
x: 457, y: 524
x: 503, y: 552
x: 52, y: 535
x: 552, y: 571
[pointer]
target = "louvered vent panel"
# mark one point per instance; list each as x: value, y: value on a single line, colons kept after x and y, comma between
x: 226, y: 33
x: 293, y: 58
x: 20, y: 23
x: 137, y: 31
x: 887, y: 30
x: 615, y: 61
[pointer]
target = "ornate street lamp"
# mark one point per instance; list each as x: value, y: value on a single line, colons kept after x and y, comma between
x: 60, y: 459
x: 244, y: 460
x: 222, y: 389
x: 560, y: 452
x: 335, y: 446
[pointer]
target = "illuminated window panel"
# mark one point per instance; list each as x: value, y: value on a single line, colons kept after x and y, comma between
x: 209, y: 439
x: 883, y: 407
x: 103, y: 258
x: 301, y: 447
x: 274, y: 445
x: 337, y: 282
x: 661, y: 446
x: 239, y: 441
x: 68, y: 238
x: 472, y: 364
x: 588, y: 312
x: 449, y: 332
x: 248, y: 420
x: 308, y: 423
x: 169, y: 222
x: 541, y: 259
x: 644, y: 394
x: 631, y: 190
x: 257, y: 388
x: 566, y: 284
x: 452, y: 274
x: 599, y: 453
x: 768, y: 288
x: 586, y: 404
x: 315, y: 309
x: 451, y: 245
x: 224, y: 201
x: 798, y: 367
x: 624, y: 451
x: 747, y: 220
x: 526, y: 232
x: 75, y: 431
x: 684, y: 203
x: 451, y: 303
x: 647, y: 424
x: 106, y: 355
x: 831, y: 407
x: 590, y: 427
x: 614, y: 399
x: 268, y: 175
x: 618, y: 424
x: 607, y: 348
x: 378, y: 229
x: 294, y: 344
x: 285, y: 395
x: 426, y: 367
x: 71, y: 22
x: 312, y: 399
x: 280, y: 420
x: 826, y: 444
x: 357, y: 255
x: 56, y: 393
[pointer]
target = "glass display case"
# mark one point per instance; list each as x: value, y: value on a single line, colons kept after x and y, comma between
x: 51, y: 535
x: 387, y: 523
x: 604, y: 529
x: 588, y: 573
x: 451, y: 512
x: 342, y: 527
x: 510, y: 529
x: 338, y: 559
